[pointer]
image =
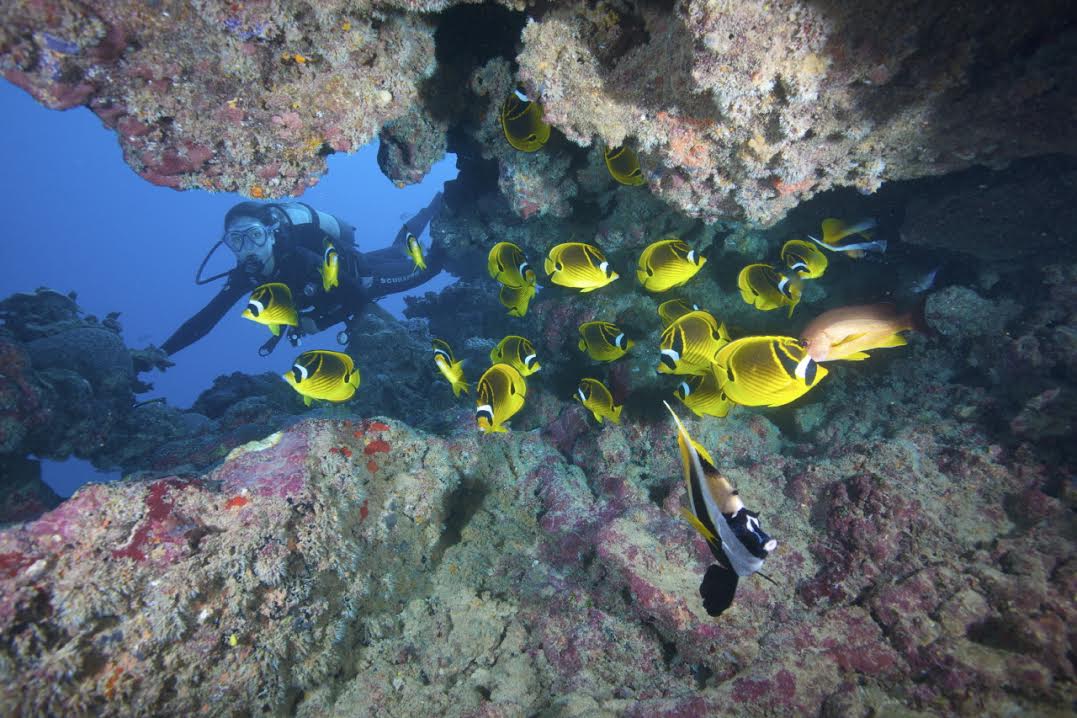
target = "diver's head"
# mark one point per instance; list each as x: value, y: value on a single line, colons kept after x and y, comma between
x: 250, y: 232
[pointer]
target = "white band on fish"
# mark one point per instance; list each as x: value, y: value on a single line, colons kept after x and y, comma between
x: 802, y: 367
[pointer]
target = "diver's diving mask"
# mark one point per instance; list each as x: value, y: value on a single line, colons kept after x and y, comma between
x: 252, y: 243
x: 247, y: 233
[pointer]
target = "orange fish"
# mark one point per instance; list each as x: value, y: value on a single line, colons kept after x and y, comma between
x: 848, y: 333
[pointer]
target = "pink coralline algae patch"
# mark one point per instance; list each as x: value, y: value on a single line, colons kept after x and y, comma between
x: 284, y: 462
x: 12, y: 562
x: 158, y: 525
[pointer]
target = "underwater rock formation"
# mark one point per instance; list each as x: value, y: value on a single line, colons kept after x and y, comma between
x: 1023, y: 213
x: 246, y: 97
x: 356, y: 566
x: 744, y: 109
x: 741, y: 110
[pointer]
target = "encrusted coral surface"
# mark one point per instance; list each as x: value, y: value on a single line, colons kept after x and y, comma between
x: 740, y: 109
x: 743, y: 109
x: 353, y: 567
x: 245, y: 97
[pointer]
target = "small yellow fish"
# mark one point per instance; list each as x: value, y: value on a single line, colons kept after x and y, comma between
x: 507, y: 265
x: 672, y: 309
x: 522, y: 123
x: 579, y: 266
x: 690, y: 344
x: 516, y: 299
x: 804, y: 258
x: 330, y: 266
x: 325, y: 375
x: 501, y: 394
x: 840, y: 237
x: 414, y: 250
x: 668, y: 263
x: 765, y: 288
x: 703, y: 396
x: 603, y: 341
x: 766, y: 371
x: 271, y: 304
x: 623, y: 165
x: 452, y: 370
x: 597, y: 399
x: 518, y: 353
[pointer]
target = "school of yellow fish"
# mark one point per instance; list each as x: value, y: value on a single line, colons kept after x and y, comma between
x: 715, y: 371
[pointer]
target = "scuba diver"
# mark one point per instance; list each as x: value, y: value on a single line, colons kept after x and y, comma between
x: 298, y: 246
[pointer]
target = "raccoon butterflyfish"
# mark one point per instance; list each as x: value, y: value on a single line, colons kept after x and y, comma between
x: 804, y: 258
x: 325, y: 375
x: 854, y: 240
x: 450, y: 368
x: 603, y: 341
x: 271, y: 304
x: 703, y: 396
x: 330, y: 266
x: 517, y: 352
x: 690, y: 344
x: 597, y: 399
x: 623, y: 164
x: 507, y: 265
x: 766, y: 371
x: 521, y: 120
x: 579, y: 266
x: 516, y: 299
x: 414, y: 250
x: 765, y: 288
x: 668, y: 263
x: 500, y: 395
x: 672, y: 309
x: 732, y: 532
x: 847, y: 333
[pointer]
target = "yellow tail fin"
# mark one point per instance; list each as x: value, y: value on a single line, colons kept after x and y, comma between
x: 698, y: 525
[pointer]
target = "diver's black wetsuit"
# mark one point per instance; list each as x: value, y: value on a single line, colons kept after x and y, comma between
x: 297, y: 254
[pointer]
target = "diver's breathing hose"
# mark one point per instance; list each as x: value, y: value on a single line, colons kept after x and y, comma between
x: 198, y: 275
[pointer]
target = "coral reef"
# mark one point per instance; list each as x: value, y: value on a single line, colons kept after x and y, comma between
x: 355, y: 566
x: 246, y: 97
x: 741, y: 110
x: 745, y: 109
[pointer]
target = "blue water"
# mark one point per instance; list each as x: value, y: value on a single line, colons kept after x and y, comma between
x: 77, y: 218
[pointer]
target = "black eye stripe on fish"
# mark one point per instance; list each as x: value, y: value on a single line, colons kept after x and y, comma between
x: 789, y: 364
x: 811, y: 371
x: 254, y: 308
x: 669, y: 358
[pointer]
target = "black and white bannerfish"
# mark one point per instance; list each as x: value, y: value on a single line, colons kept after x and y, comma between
x: 732, y: 532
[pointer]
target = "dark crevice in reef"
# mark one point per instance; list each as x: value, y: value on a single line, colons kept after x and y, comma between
x: 460, y: 506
